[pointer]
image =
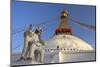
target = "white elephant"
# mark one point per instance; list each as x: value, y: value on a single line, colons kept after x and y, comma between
x: 33, y: 49
x: 37, y: 52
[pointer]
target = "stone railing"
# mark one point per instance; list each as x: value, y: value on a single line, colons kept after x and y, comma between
x: 65, y: 49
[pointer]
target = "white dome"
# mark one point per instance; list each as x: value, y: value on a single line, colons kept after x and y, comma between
x: 67, y: 41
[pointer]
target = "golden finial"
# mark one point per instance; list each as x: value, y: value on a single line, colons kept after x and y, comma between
x: 64, y: 13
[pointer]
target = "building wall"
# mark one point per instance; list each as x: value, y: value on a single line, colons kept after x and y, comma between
x: 72, y: 56
x: 56, y: 57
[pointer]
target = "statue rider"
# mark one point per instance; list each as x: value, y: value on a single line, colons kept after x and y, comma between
x: 26, y: 48
x: 39, y: 54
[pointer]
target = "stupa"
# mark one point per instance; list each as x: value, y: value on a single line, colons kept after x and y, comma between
x: 65, y: 40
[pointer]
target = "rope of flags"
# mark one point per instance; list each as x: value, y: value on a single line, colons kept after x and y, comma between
x: 18, y: 30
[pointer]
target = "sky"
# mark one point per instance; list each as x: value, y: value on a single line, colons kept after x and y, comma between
x: 25, y: 13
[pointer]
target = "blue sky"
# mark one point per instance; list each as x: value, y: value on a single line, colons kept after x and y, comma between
x: 25, y: 13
